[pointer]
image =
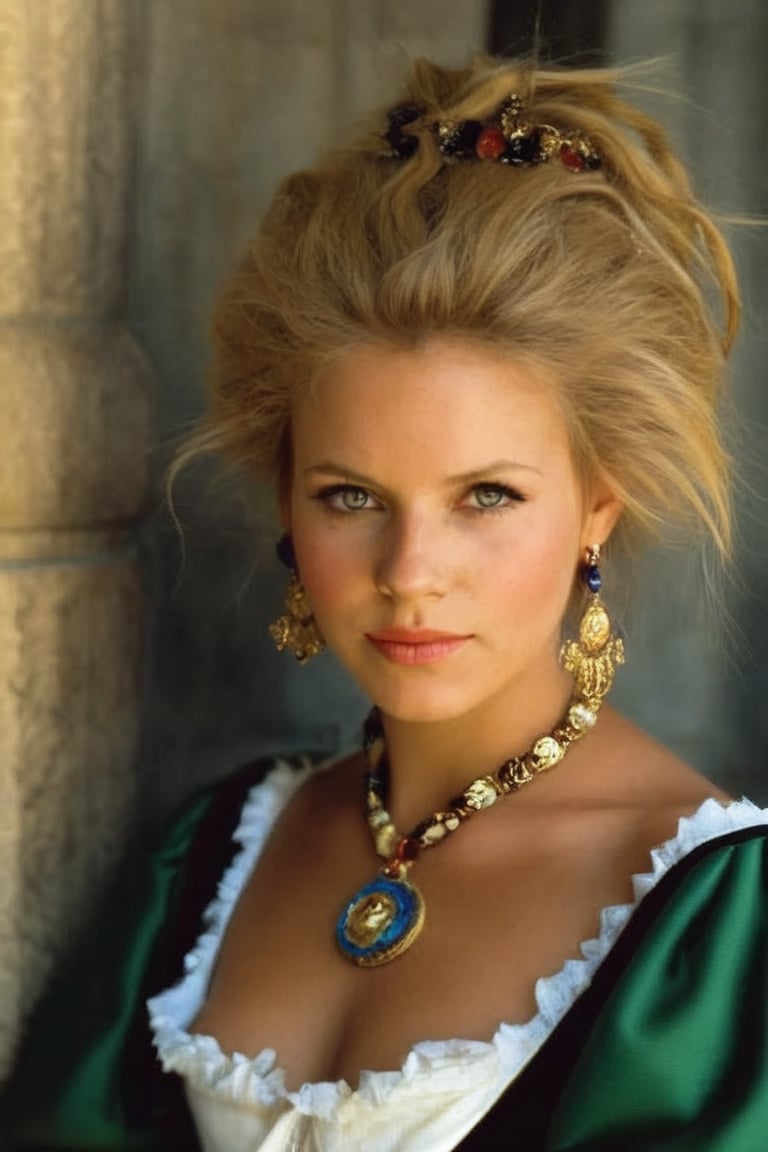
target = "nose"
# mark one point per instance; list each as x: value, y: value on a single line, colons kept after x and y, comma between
x: 414, y: 563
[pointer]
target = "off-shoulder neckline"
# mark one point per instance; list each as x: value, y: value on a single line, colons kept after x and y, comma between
x: 259, y: 1080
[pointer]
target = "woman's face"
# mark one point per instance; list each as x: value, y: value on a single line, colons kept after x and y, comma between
x: 438, y: 523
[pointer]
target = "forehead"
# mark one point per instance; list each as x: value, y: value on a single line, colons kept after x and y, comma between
x: 446, y: 400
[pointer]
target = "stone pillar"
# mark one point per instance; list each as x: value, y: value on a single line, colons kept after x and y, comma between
x: 74, y: 434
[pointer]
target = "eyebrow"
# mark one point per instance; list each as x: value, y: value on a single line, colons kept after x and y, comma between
x: 494, y: 466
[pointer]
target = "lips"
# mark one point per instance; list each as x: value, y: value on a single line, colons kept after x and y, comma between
x: 416, y: 646
x: 413, y: 635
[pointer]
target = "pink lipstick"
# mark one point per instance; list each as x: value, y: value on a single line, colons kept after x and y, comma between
x: 415, y: 646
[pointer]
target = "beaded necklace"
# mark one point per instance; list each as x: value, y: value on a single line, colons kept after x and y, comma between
x: 384, y: 917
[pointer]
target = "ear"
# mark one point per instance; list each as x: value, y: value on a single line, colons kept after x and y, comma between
x: 601, y: 512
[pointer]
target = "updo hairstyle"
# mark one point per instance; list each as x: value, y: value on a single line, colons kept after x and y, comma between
x: 615, y: 285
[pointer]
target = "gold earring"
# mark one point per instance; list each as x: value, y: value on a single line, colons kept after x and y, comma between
x: 592, y: 659
x: 296, y: 629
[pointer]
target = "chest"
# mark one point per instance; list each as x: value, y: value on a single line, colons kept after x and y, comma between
x: 495, y: 922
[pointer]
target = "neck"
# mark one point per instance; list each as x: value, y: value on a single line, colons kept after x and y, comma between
x: 432, y: 761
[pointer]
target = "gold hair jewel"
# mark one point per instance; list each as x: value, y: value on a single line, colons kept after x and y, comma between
x: 506, y: 137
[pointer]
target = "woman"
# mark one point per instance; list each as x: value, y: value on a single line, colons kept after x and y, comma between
x: 476, y: 355
x: 472, y: 351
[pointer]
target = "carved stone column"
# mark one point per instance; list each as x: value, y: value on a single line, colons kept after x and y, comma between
x: 74, y: 433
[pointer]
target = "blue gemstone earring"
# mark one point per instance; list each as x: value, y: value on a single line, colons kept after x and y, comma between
x: 592, y: 659
x: 296, y: 629
x: 592, y: 577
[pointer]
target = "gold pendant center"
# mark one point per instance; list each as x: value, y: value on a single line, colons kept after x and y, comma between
x: 369, y: 918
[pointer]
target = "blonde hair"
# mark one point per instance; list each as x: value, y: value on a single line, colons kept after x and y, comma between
x: 617, y: 283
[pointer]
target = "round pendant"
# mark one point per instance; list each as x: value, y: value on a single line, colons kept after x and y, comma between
x: 380, y: 922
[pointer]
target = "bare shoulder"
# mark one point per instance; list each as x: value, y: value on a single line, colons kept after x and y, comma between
x: 315, y: 810
x: 330, y: 785
x: 327, y: 782
x: 655, y: 783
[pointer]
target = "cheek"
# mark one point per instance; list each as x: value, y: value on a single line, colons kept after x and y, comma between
x: 328, y: 566
x: 324, y: 583
x: 537, y: 574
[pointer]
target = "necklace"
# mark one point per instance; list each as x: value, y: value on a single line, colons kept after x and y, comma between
x: 384, y: 917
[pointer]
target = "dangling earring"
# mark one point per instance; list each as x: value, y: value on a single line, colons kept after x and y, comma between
x: 592, y: 659
x: 296, y: 629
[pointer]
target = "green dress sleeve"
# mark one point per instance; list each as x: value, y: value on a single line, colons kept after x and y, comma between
x: 677, y: 1061
x: 666, y: 1049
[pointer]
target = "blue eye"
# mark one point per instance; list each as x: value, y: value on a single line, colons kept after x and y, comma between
x: 345, y: 498
x: 494, y: 496
x: 354, y: 498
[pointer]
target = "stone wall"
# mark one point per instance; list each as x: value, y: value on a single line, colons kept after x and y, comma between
x: 74, y: 431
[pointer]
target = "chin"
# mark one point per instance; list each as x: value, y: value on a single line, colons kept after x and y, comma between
x: 422, y: 704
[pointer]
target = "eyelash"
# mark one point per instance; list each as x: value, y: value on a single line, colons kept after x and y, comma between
x: 326, y: 496
x: 511, y: 496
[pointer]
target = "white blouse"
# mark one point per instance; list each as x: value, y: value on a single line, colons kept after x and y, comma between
x: 240, y: 1103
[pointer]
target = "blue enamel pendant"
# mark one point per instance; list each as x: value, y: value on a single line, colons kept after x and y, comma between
x: 380, y: 922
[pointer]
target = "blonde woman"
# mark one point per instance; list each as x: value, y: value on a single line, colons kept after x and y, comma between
x: 479, y: 355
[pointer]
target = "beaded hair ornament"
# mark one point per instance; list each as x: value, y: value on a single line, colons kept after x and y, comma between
x: 506, y: 138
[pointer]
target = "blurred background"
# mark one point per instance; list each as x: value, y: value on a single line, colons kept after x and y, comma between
x: 140, y: 143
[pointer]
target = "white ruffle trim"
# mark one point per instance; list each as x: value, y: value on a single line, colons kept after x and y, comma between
x: 259, y: 1082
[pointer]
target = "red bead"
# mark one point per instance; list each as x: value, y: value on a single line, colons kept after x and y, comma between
x: 490, y: 144
x: 571, y: 158
x: 406, y: 849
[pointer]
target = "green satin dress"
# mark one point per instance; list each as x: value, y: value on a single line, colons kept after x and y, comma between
x: 665, y: 1051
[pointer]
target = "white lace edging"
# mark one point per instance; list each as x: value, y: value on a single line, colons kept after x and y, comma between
x: 258, y: 1081
x: 172, y: 1011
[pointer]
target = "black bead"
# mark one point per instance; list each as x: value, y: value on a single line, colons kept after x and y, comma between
x: 404, y: 114
x: 419, y: 830
x: 468, y: 134
x: 285, y: 552
x: 375, y: 785
x: 461, y: 142
x: 403, y: 145
x: 372, y: 729
x: 522, y: 150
